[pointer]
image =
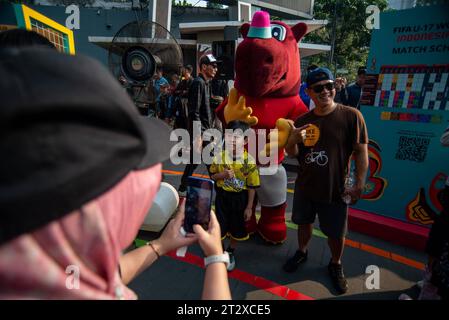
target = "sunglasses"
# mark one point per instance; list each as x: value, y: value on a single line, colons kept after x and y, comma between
x: 320, y: 87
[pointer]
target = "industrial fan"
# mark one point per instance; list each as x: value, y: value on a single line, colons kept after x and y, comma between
x: 136, y: 51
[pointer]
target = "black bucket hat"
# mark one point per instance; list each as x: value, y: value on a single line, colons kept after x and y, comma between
x: 68, y: 133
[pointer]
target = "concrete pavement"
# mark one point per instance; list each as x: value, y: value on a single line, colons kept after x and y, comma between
x: 259, y: 273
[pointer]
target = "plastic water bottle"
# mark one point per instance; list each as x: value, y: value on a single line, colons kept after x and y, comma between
x: 349, y: 184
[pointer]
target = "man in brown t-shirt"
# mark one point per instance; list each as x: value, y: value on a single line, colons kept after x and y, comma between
x: 323, y: 140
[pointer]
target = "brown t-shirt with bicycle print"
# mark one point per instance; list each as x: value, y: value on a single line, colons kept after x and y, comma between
x: 324, y: 156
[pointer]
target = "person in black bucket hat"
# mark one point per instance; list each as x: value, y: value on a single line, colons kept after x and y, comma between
x: 72, y: 143
x: 65, y: 122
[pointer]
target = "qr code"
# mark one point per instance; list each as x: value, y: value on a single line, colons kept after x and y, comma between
x: 412, y: 148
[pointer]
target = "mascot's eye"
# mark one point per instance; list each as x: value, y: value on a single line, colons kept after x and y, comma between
x: 278, y: 32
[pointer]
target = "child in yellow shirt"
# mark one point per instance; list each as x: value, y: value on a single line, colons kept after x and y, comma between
x: 236, y: 175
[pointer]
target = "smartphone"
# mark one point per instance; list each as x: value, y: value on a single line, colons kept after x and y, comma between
x: 198, y: 203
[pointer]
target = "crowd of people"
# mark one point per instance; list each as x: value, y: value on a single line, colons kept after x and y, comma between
x: 168, y: 99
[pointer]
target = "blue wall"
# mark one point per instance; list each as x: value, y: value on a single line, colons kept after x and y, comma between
x: 7, y: 15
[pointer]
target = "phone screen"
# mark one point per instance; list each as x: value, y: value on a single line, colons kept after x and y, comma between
x: 198, y: 203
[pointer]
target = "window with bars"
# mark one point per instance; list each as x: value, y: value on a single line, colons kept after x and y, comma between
x: 56, y: 37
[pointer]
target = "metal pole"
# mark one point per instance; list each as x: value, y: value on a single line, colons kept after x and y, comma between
x: 334, y: 31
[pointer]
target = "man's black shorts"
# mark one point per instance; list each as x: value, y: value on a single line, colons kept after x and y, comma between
x: 230, y: 209
x: 333, y: 217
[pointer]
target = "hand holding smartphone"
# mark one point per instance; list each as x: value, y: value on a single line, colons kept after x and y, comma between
x: 198, y: 203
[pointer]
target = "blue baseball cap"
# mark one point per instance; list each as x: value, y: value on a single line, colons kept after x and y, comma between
x: 317, y: 75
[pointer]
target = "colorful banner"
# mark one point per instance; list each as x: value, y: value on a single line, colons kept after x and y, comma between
x: 405, y: 103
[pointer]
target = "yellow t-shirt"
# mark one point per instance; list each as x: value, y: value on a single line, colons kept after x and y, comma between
x: 246, y: 173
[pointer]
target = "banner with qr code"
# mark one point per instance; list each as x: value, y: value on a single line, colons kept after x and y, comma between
x: 405, y: 103
x: 412, y: 148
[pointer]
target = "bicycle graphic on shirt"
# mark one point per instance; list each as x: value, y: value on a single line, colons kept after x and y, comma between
x: 320, y: 158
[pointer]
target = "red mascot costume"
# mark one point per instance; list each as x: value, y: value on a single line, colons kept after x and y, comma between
x: 267, y: 80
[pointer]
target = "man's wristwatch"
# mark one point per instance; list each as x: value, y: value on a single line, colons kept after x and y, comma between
x: 217, y: 258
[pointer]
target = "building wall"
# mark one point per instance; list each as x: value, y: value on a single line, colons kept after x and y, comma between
x: 208, y: 36
x: 196, y: 14
x: 107, y: 22
x: 303, y: 6
x: 7, y: 15
x: 189, y: 57
x: 103, y: 22
x: 162, y: 12
x: 93, y: 22
x: 185, y: 14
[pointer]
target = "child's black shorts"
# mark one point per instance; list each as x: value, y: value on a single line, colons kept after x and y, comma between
x: 230, y: 208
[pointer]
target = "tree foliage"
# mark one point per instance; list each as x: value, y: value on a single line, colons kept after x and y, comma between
x: 352, y: 38
x: 181, y: 3
x: 214, y: 5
